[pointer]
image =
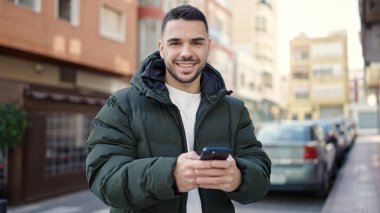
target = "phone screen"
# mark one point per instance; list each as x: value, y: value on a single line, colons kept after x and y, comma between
x: 215, y: 153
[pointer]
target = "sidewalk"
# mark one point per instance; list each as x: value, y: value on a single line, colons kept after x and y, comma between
x: 77, y: 202
x: 357, y: 188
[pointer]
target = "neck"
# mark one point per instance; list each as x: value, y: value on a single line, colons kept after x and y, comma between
x: 192, y: 87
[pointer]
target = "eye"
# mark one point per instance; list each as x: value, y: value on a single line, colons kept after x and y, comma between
x: 174, y: 43
x: 197, y: 43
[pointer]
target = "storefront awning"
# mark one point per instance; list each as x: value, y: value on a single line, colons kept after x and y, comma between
x: 66, y: 95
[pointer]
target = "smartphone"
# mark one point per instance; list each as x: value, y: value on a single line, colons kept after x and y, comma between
x: 215, y: 153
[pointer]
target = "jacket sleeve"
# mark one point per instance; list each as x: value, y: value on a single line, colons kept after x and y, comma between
x: 253, y: 162
x: 113, y: 172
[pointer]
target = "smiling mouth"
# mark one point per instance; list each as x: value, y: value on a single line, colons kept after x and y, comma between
x: 185, y: 65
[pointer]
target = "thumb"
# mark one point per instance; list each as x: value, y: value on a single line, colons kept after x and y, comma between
x: 192, y: 155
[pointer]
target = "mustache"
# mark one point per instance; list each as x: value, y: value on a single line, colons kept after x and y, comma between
x: 183, y: 59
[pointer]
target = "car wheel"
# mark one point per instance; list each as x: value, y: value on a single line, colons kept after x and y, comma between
x: 324, y: 187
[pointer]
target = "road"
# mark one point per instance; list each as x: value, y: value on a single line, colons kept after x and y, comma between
x: 284, y: 202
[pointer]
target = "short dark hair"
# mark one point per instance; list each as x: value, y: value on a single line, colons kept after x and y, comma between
x: 186, y: 12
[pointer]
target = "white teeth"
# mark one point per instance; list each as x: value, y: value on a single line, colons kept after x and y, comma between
x: 185, y: 65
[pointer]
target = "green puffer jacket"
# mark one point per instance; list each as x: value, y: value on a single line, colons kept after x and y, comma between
x: 139, y: 134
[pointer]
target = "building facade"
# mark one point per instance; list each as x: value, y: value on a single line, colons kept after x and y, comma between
x: 368, y: 116
x: 357, y: 87
x: 254, y: 35
x: 318, y: 82
x: 60, y: 60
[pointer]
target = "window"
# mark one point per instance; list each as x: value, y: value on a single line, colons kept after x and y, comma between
x: 283, y: 133
x: 150, y: 31
x: 34, y: 5
x: 328, y: 91
x: 367, y: 120
x: 300, y: 73
x: 112, y: 23
x: 266, y: 79
x: 323, y: 50
x: 302, y: 96
x: 65, y: 138
x: 327, y: 70
x: 242, y: 80
x: 251, y: 85
x: 301, y: 55
x: 155, y: 3
x: 67, y: 75
x: 260, y: 24
x: 68, y: 10
x: 308, y: 116
x: 301, y: 92
x: 218, y: 30
x: 167, y: 5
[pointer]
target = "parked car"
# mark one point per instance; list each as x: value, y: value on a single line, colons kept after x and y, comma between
x: 343, y: 132
x: 332, y: 135
x: 350, y: 126
x: 302, y: 158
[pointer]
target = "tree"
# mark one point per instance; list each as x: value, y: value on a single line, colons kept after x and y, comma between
x: 13, y: 123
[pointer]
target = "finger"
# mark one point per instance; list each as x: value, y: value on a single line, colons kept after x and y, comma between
x: 209, y: 172
x: 212, y: 186
x: 192, y: 155
x: 230, y: 161
x: 185, y: 187
x: 202, y: 164
x: 221, y: 164
x: 212, y: 180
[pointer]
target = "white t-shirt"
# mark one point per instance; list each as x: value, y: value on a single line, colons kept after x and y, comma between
x: 188, y: 104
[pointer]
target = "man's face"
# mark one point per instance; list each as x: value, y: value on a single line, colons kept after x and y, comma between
x: 184, y: 46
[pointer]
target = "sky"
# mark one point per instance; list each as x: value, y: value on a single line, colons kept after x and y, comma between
x: 316, y: 18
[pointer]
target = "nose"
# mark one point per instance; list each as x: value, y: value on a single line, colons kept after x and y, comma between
x: 186, y: 51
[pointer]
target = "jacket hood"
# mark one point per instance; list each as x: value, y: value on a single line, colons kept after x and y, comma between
x: 150, y: 80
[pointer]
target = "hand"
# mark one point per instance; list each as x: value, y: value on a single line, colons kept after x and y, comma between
x: 221, y: 174
x: 184, y: 171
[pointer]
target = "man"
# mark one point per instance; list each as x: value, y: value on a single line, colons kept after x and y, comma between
x: 143, y: 154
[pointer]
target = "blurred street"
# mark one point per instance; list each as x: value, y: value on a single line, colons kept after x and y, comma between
x: 61, y: 60
x: 356, y: 190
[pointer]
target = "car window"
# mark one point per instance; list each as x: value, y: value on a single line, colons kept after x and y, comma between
x: 326, y: 128
x: 279, y: 133
x: 319, y: 134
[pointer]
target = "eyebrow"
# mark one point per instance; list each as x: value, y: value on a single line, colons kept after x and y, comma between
x: 194, y: 39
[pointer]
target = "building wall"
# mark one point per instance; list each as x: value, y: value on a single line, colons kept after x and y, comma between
x: 254, y: 32
x: 221, y: 56
x: 248, y: 83
x: 42, y: 33
x: 29, y: 71
x: 319, y: 77
x: 61, y: 72
x: 357, y: 86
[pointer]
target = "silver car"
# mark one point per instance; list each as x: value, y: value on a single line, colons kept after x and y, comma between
x: 302, y: 158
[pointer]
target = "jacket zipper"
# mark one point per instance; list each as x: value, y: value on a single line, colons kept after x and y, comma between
x: 177, y: 117
x: 181, y: 129
x: 200, y: 117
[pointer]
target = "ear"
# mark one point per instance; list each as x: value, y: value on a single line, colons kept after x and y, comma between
x: 161, y: 48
